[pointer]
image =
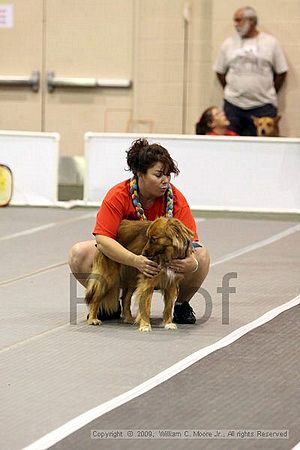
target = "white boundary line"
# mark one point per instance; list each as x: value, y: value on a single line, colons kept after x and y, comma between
x: 54, y: 224
x: 46, y: 226
x: 32, y: 274
x: 80, y: 421
x: 33, y: 338
x: 225, y: 258
x: 28, y: 231
x: 228, y: 257
x: 259, y: 244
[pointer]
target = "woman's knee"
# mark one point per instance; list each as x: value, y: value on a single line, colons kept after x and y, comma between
x: 203, y: 259
x: 81, y: 256
x: 193, y: 281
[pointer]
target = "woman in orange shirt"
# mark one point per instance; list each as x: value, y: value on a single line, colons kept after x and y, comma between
x: 147, y: 195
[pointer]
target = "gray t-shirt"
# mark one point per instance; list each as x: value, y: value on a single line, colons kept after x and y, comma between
x: 249, y: 65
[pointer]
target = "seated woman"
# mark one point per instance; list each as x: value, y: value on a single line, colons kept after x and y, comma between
x: 214, y: 122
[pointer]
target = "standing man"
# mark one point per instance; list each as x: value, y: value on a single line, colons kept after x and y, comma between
x: 251, y: 68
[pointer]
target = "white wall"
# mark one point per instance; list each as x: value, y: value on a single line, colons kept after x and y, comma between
x: 217, y: 173
x: 33, y: 160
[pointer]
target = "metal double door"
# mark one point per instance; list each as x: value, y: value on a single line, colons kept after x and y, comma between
x: 66, y: 67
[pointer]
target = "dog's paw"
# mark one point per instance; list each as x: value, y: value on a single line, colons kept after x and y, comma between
x: 128, y: 319
x: 137, y: 319
x: 94, y: 321
x: 171, y: 326
x: 145, y: 328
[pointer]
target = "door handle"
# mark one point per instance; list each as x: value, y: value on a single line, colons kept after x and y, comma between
x: 22, y: 81
x: 68, y: 82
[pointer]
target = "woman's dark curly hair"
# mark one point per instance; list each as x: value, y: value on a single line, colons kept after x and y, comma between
x: 203, y: 126
x: 142, y: 155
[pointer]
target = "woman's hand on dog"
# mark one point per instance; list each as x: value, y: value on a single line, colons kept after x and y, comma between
x: 146, y: 266
x: 186, y: 265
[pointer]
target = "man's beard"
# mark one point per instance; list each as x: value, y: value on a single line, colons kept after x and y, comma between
x: 243, y: 30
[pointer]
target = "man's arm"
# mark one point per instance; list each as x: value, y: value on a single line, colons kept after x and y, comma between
x: 279, y: 80
x: 221, y: 78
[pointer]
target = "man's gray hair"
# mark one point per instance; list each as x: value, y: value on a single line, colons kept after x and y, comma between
x: 250, y: 13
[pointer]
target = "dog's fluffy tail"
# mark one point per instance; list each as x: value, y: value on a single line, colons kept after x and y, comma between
x: 103, y: 284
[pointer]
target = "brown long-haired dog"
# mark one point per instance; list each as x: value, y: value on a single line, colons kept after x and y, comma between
x: 161, y: 240
x: 167, y: 239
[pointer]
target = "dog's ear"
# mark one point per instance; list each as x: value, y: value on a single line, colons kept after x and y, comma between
x: 255, y: 119
x: 181, y: 236
x: 277, y: 118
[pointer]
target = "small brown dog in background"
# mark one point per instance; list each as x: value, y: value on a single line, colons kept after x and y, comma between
x: 267, y: 126
x: 161, y: 241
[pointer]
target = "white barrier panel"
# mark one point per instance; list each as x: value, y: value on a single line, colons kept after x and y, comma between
x: 33, y: 160
x: 216, y: 173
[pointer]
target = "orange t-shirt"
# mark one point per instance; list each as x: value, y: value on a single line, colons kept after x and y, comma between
x: 117, y: 205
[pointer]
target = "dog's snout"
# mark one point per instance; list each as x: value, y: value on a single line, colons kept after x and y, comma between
x: 263, y: 132
x: 147, y: 251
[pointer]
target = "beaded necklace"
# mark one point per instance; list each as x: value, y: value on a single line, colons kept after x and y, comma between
x: 138, y: 206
